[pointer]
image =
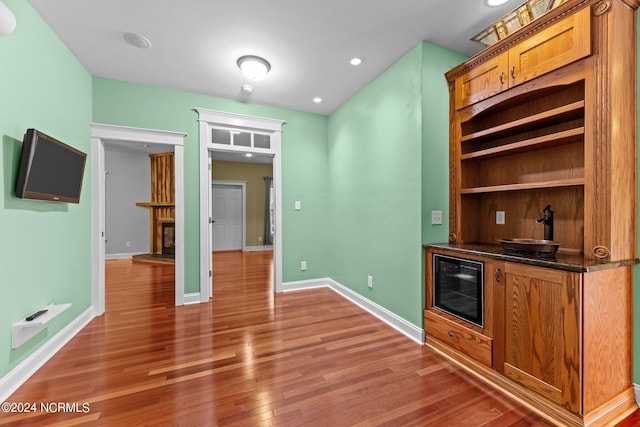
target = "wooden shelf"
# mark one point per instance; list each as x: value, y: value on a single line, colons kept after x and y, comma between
x: 524, y: 186
x: 155, y: 205
x: 553, y: 115
x: 558, y: 138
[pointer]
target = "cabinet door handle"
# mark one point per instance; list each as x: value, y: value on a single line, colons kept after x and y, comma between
x: 513, y: 72
x: 498, y: 274
x: 501, y: 77
x: 452, y: 335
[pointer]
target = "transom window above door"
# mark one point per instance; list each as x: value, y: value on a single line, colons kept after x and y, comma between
x: 242, y: 138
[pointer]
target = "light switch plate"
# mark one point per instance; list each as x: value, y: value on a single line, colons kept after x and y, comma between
x: 297, y: 205
x: 436, y: 217
x: 500, y: 217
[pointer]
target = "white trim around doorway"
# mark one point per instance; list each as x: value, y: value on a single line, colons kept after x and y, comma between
x: 101, y: 134
x: 209, y: 119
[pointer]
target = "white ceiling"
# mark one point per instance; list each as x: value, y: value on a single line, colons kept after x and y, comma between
x: 195, y: 43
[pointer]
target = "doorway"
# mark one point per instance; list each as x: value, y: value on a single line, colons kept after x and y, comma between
x: 237, y: 133
x: 228, y: 215
x: 102, y: 134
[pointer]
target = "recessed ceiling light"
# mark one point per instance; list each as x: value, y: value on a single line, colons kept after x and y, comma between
x: 137, y: 40
x: 254, y: 67
x: 317, y: 100
x: 247, y: 89
x: 249, y: 155
x: 494, y: 3
x: 355, y: 61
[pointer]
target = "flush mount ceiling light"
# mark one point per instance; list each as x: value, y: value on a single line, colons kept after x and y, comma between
x: 355, y: 61
x: 7, y: 20
x: 137, y: 40
x: 246, y: 88
x: 254, y: 67
x: 317, y: 100
x: 494, y: 3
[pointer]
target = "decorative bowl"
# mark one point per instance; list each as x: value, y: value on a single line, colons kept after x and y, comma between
x: 530, y: 247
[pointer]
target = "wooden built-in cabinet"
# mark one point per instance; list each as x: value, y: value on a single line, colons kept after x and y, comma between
x: 550, y: 49
x: 548, y: 116
x: 557, y: 337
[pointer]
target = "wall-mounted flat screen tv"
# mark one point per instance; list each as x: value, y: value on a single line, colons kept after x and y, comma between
x: 49, y: 169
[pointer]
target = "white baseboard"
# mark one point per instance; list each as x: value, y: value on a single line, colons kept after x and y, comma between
x: 122, y: 256
x: 258, y: 248
x: 636, y: 388
x: 193, y: 298
x: 393, y: 320
x: 21, y: 373
x: 306, y: 284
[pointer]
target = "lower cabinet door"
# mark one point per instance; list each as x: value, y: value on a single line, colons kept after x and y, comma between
x: 541, y: 336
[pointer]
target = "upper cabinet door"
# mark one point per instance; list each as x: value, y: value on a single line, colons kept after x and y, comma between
x: 561, y: 44
x: 481, y: 82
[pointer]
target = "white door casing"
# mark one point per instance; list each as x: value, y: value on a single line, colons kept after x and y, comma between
x: 101, y: 134
x: 209, y: 119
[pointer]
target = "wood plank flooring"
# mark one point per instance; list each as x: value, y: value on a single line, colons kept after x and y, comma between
x: 250, y: 358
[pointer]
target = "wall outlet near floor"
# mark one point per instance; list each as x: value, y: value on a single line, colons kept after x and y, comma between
x: 370, y: 282
x: 499, y: 217
x: 436, y: 217
x: 303, y: 265
x: 259, y: 238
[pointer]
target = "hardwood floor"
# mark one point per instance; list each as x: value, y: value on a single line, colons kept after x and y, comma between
x: 250, y: 358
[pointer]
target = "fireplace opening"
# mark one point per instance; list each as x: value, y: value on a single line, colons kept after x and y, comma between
x: 168, y: 238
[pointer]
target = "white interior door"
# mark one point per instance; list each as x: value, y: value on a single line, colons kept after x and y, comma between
x: 226, y: 206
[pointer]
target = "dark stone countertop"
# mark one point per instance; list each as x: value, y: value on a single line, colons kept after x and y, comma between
x: 561, y: 261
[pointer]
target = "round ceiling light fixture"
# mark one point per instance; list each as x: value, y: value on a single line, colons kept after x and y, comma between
x: 254, y: 67
x: 137, y: 40
x: 317, y: 100
x: 494, y: 3
x: 7, y: 20
x: 355, y: 61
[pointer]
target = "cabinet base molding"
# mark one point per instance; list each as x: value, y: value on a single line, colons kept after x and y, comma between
x: 606, y: 414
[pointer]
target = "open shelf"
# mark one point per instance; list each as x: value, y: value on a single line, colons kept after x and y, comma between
x: 524, y: 186
x: 565, y: 112
x: 24, y: 330
x: 558, y: 138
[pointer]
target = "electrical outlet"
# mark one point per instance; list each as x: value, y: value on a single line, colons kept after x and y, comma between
x: 297, y: 205
x: 128, y: 244
x: 436, y: 217
x: 303, y: 265
x: 260, y: 239
x: 500, y: 217
x: 370, y: 282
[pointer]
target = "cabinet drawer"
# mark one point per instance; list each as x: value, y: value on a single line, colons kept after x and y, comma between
x: 469, y: 342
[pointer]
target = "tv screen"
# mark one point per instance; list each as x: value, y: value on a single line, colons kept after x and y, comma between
x: 49, y: 169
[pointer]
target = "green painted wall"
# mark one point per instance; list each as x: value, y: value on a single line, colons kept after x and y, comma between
x: 303, y: 159
x: 374, y: 178
x: 45, y: 255
x: 435, y: 139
